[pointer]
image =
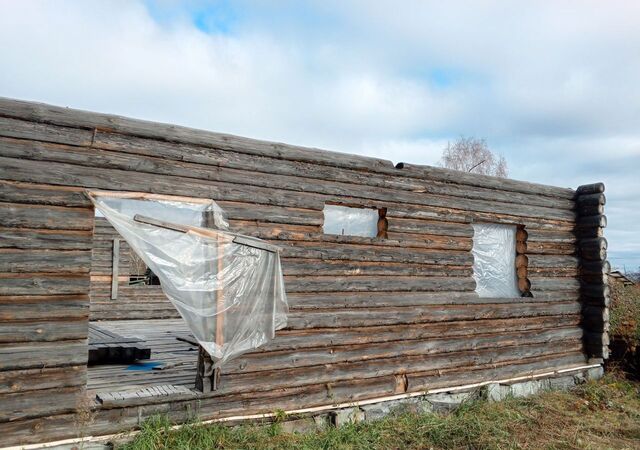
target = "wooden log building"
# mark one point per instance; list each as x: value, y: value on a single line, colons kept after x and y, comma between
x: 370, y: 317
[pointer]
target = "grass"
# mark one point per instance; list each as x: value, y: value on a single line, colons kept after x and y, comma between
x: 625, y: 311
x: 596, y: 415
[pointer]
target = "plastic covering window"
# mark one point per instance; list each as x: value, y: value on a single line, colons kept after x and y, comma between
x: 349, y: 221
x: 494, y: 260
x: 231, y: 295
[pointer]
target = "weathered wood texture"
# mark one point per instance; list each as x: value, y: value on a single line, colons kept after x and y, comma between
x: 363, y: 310
x: 594, y: 268
x: 45, y: 259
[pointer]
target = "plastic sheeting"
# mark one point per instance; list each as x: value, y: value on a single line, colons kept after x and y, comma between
x: 494, y: 260
x: 231, y: 295
x: 344, y: 220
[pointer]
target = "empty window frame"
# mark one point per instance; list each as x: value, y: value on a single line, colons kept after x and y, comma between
x: 353, y: 221
x: 494, y: 260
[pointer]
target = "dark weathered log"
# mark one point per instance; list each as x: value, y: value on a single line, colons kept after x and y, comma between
x: 455, y: 176
x: 43, y: 354
x: 591, y: 199
x: 12, y: 381
x: 43, y: 283
x: 18, y: 260
x: 144, y: 165
x: 594, y: 188
x: 17, y: 215
x: 43, y: 307
x: 595, y: 290
x: 386, y: 316
x: 378, y: 283
x: 20, y: 405
x: 591, y: 222
x: 339, y: 354
x: 593, y: 249
x: 22, y: 330
x: 590, y: 210
x: 595, y: 268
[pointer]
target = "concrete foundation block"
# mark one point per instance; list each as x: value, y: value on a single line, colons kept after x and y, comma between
x: 595, y: 373
x: 347, y: 415
x: 496, y: 392
x: 304, y: 425
x: 378, y: 411
x: 449, y: 401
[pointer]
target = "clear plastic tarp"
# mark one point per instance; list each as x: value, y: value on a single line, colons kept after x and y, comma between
x: 228, y: 288
x: 494, y: 260
x: 348, y: 221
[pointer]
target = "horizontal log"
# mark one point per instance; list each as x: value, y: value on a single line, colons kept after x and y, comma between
x: 299, y: 339
x: 600, y: 338
x: 455, y: 176
x: 18, y: 215
x: 43, y: 307
x: 594, y: 188
x: 589, y: 232
x: 30, y: 238
x: 591, y: 199
x: 554, y: 283
x: 22, y: 405
x: 43, y: 283
x: 593, y: 249
x: 550, y: 248
x: 330, y: 373
x: 341, y: 353
x: 42, y: 331
x: 590, y: 222
x: 307, y: 319
x: 594, y: 267
x: 351, y: 252
x: 377, y: 283
x: 82, y: 119
x: 552, y: 261
x: 590, y: 210
x: 18, y: 260
x: 43, y: 354
x: 12, y: 381
x: 386, y: 299
x: 428, y: 227
x: 595, y: 290
x: 67, y: 117
x: 42, y: 194
x: 296, y: 266
x: 146, y: 166
x: 551, y: 236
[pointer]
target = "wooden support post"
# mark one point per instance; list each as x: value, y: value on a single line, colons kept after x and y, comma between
x: 115, y: 262
x: 208, y: 377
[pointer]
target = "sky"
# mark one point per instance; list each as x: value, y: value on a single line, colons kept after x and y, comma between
x: 554, y: 86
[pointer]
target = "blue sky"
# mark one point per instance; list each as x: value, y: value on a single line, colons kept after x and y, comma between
x: 553, y: 86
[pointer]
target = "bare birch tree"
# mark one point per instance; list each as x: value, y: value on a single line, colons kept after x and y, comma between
x: 473, y: 155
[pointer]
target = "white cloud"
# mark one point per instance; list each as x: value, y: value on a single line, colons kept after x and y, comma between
x: 552, y: 86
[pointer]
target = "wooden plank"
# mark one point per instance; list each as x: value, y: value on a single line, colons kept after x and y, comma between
x: 114, y: 269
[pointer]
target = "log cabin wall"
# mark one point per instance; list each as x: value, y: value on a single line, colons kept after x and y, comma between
x: 369, y: 316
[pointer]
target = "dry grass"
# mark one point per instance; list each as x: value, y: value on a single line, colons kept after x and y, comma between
x: 597, y: 415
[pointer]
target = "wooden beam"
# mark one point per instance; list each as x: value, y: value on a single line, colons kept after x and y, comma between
x: 115, y: 269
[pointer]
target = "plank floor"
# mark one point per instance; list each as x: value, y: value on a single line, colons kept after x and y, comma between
x: 177, y: 356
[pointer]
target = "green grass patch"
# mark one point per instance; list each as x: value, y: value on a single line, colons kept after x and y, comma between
x: 596, y: 415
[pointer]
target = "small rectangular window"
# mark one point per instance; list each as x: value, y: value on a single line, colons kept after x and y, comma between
x: 494, y: 260
x: 348, y: 221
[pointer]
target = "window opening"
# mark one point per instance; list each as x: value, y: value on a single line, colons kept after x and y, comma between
x: 354, y: 221
x: 494, y: 260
